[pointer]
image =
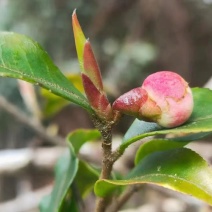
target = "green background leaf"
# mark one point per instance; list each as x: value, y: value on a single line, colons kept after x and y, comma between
x: 178, y: 169
x: 72, y: 176
x: 65, y: 170
x: 86, y: 175
x: 86, y: 178
x: 80, y: 136
x: 23, y: 58
x: 200, y: 121
x: 54, y: 103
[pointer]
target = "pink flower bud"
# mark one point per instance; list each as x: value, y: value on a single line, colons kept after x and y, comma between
x: 164, y: 97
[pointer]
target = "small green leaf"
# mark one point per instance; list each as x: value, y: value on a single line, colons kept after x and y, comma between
x: 80, y: 136
x: 199, y: 122
x: 71, y: 173
x: 178, y: 169
x: 66, y: 169
x: 86, y: 178
x: 23, y: 58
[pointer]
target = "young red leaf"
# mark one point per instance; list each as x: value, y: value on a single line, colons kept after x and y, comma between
x: 91, y: 67
x: 98, y: 100
x: 79, y: 38
x: 91, y: 75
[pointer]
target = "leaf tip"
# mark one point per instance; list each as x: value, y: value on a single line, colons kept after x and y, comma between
x: 74, y: 12
x: 74, y: 16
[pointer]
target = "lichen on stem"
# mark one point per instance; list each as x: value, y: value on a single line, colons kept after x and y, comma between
x: 105, y: 128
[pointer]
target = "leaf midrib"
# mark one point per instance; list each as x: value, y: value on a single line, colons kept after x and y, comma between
x: 41, y: 81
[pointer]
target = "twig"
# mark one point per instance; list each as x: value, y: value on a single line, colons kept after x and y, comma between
x: 124, y: 198
x: 22, y: 117
x: 13, y: 161
x: 105, y: 129
x: 107, y: 165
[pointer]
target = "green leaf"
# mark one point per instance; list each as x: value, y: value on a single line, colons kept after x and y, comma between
x: 70, y: 203
x: 80, y: 136
x: 23, y: 58
x: 52, y: 103
x: 178, y: 169
x: 86, y: 178
x: 66, y: 169
x: 73, y: 177
x: 86, y: 175
x: 156, y: 145
x: 199, y: 122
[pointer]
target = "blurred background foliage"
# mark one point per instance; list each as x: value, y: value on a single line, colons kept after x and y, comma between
x: 131, y: 39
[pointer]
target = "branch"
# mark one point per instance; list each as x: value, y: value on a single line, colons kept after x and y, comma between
x: 124, y: 197
x: 35, y: 126
x: 12, y: 161
x: 105, y: 129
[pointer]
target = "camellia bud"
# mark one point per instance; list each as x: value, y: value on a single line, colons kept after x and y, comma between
x: 164, y: 98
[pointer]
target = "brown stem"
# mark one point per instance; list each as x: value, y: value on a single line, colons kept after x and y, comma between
x: 124, y: 198
x: 22, y: 117
x: 109, y: 158
x: 107, y: 163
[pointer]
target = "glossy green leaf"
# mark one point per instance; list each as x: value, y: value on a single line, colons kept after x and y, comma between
x: 156, y: 145
x: 199, y: 122
x: 66, y: 170
x: 178, y: 169
x: 23, y: 58
x: 80, y: 136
